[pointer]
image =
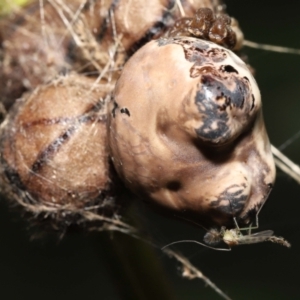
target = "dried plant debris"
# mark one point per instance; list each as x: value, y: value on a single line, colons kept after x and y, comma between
x: 191, y: 272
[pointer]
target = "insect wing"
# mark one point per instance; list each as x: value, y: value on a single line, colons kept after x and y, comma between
x: 258, y: 237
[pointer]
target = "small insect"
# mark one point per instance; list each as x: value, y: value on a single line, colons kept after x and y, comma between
x: 234, y: 237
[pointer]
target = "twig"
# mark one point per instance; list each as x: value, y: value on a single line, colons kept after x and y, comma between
x: 285, y: 164
x: 273, y: 48
x: 179, y: 4
x: 191, y: 272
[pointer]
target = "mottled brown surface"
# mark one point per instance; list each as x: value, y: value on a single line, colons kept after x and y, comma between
x: 207, y: 26
x: 206, y: 154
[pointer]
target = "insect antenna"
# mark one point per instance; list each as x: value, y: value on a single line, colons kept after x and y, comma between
x: 196, y: 242
x: 212, y: 236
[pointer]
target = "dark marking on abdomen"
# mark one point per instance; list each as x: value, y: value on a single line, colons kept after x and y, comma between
x: 236, y: 200
x: 125, y: 111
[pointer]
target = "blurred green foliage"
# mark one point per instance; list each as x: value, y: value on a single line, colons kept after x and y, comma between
x: 7, y: 5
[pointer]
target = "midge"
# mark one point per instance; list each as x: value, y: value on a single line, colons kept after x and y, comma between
x: 234, y: 237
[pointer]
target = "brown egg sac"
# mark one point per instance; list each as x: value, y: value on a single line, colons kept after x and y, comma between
x: 48, y: 38
x: 138, y: 22
x: 31, y: 53
x: 187, y: 133
x: 54, y: 154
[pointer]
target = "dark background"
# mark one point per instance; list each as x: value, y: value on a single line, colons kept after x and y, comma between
x: 78, y: 266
